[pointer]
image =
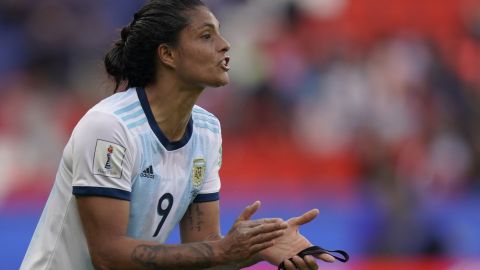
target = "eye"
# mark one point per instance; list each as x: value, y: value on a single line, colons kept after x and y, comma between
x: 206, y: 36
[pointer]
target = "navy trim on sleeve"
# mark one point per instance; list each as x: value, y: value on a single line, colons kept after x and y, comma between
x: 102, y: 192
x: 210, y: 197
x: 169, y: 145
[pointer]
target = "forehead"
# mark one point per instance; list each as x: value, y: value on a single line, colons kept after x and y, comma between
x: 200, y: 18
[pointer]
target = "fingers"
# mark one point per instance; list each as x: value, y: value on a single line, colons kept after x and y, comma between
x: 296, y: 262
x: 326, y: 257
x: 249, y: 211
x: 307, y: 263
x: 255, y: 223
x: 261, y: 246
x: 266, y: 237
x: 289, y: 265
x: 305, y: 218
x: 268, y: 227
x: 311, y: 263
x: 299, y: 263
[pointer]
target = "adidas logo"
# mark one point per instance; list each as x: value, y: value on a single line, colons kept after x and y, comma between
x: 148, y: 172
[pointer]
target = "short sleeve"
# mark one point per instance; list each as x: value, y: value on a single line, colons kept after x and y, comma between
x: 102, y: 157
x: 210, y: 190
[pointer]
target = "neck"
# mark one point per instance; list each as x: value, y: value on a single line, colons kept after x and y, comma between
x: 171, y: 105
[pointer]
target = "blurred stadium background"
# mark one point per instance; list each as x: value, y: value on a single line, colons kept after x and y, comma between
x: 365, y: 109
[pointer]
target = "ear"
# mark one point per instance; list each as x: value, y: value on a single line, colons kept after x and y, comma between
x: 166, y: 55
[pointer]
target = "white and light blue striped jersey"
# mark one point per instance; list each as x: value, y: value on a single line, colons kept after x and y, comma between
x: 117, y: 150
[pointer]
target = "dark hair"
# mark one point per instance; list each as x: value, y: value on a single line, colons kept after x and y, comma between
x: 132, y: 58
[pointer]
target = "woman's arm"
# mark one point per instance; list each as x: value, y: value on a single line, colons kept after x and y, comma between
x: 201, y: 222
x: 105, y: 223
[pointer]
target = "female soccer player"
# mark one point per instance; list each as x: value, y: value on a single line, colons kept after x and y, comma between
x: 147, y: 158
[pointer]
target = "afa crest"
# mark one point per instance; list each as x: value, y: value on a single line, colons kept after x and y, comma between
x: 198, y: 172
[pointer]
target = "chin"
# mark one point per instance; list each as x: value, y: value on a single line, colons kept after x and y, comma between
x: 220, y: 82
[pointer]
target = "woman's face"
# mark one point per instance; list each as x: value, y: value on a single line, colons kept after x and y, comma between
x: 201, y: 56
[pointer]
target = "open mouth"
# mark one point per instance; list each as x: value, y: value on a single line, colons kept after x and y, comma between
x: 225, y: 63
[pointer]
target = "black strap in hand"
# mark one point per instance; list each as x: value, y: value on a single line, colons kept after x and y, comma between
x: 316, y: 250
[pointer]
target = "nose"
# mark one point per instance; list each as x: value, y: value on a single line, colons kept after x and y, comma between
x: 225, y: 45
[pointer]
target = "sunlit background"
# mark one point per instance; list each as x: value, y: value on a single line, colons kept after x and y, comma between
x: 365, y: 109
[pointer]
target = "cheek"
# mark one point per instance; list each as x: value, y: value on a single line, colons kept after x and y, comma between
x: 198, y: 57
x: 188, y: 60
x: 198, y: 65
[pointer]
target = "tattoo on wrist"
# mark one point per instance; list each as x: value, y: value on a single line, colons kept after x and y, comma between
x: 213, y: 237
x: 190, y: 256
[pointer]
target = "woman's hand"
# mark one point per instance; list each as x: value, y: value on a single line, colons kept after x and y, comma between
x: 291, y: 243
x: 247, y: 237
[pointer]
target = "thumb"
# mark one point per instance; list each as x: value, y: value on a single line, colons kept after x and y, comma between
x: 249, y: 211
x: 305, y: 218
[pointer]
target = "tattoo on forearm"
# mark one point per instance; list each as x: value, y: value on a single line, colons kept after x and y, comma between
x: 189, y: 217
x: 195, y: 218
x: 198, y: 217
x: 190, y: 256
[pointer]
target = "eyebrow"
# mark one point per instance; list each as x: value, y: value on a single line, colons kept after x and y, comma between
x: 211, y: 25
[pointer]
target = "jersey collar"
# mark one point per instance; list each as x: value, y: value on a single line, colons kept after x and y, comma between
x: 170, y: 146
